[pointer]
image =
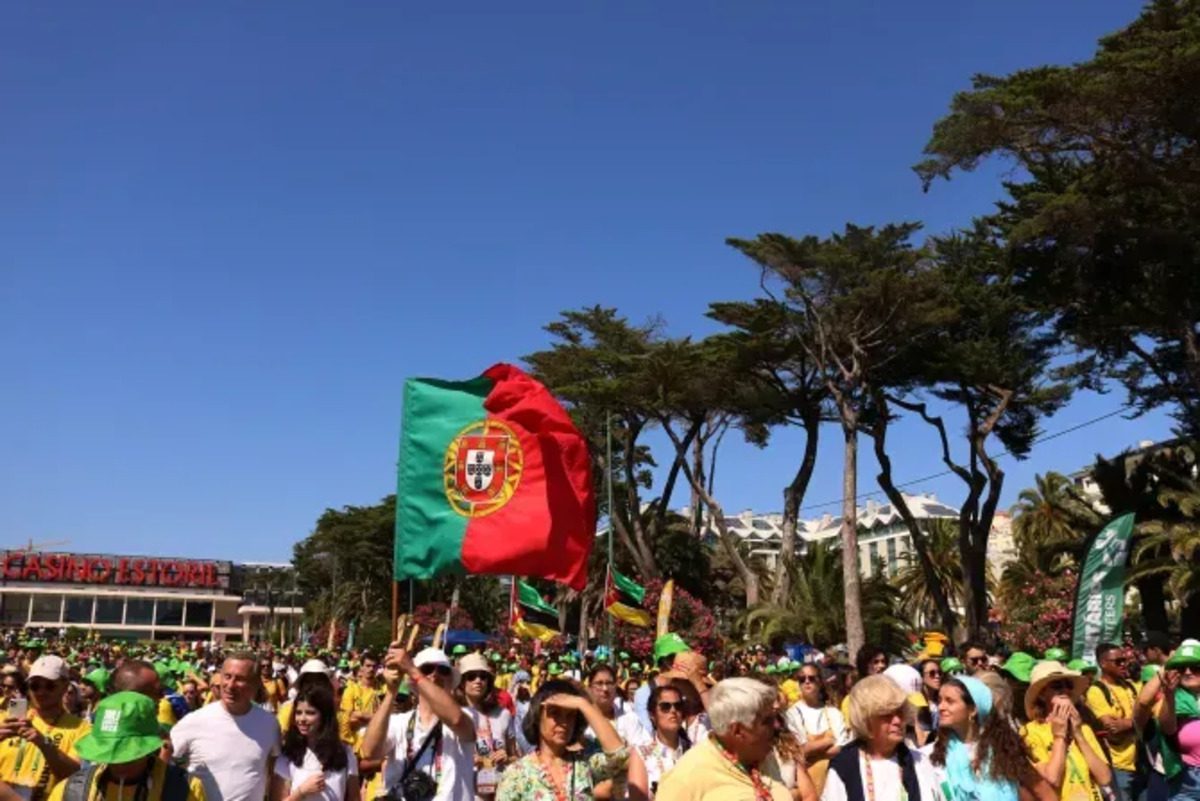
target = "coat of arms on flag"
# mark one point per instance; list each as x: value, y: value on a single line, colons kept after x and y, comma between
x: 483, y: 468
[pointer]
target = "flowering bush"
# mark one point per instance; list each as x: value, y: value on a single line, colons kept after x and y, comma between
x: 1037, y: 616
x: 690, y: 619
x: 430, y: 616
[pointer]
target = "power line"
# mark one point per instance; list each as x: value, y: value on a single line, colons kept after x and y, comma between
x: 947, y: 472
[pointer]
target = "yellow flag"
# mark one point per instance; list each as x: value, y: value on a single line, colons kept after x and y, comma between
x: 664, y: 608
x: 631, y: 615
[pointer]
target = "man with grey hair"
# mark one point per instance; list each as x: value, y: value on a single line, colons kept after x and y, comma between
x: 728, y: 765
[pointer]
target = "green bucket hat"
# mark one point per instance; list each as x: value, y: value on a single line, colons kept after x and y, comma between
x: 1082, y: 666
x: 1186, y: 654
x: 125, y: 730
x: 1057, y: 654
x: 554, y: 669
x: 635, y: 668
x: 1019, y: 665
x: 951, y: 665
x: 459, y: 650
x: 98, y: 678
x: 668, y: 645
x: 495, y: 657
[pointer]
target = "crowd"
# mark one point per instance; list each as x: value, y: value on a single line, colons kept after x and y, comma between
x: 173, y: 722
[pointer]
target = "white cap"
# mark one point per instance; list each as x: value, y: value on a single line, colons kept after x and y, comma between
x: 49, y: 667
x: 905, y: 676
x: 431, y: 656
x: 315, y: 666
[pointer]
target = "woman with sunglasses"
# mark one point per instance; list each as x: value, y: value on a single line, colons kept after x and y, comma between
x: 817, y: 724
x: 670, y: 740
x: 494, y: 744
x: 1063, y: 748
x: 1179, y: 721
x: 563, y: 765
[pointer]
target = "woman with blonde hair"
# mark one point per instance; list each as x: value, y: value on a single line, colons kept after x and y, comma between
x: 878, y: 765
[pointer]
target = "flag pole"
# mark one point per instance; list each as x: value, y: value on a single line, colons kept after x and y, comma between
x: 608, y: 489
x: 395, y: 607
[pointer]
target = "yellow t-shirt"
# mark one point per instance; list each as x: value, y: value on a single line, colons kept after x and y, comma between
x: 1123, y: 747
x: 791, y: 690
x: 355, y: 698
x: 21, y: 763
x: 844, y: 708
x: 113, y: 791
x: 705, y: 773
x: 1077, y: 782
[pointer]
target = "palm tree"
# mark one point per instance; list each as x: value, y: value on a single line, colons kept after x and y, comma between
x: 813, y: 610
x: 917, y: 603
x: 1053, y: 519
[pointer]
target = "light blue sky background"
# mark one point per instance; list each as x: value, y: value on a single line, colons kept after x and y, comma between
x: 229, y: 231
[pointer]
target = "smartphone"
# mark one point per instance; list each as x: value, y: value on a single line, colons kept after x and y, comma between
x: 18, y: 708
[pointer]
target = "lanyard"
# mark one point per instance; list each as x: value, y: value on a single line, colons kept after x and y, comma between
x: 823, y: 716
x: 437, y: 748
x: 761, y: 791
x: 871, y: 780
x: 561, y: 793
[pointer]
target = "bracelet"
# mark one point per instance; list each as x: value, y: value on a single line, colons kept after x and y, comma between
x: 415, y: 678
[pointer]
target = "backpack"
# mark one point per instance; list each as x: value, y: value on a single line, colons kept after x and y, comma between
x: 175, y: 783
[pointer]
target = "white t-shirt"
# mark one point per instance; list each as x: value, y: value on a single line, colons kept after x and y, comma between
x: 628, y: 727
x: 452, y: 761
x: 806, y: 721
x: 335, y: 780
x: 233, y: 749
x: 886, y: 774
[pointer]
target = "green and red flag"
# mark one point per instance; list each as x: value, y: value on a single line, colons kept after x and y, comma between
x: 493, y: 478
x: 623, y: 598
x: 530, y: 616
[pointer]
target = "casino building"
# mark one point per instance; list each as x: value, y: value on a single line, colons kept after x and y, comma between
x: 148, y: 598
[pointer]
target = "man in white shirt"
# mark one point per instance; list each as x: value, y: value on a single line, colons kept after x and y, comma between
x: 232, y: 740
x: 436, y: 739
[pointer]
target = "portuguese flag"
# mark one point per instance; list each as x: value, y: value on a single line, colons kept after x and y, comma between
x: 493, y: 478
x: 623, y: 598
x: 532, y: 617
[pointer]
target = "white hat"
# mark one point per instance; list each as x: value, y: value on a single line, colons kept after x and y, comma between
x: 436, y: 656
x: 315, y: 666
x: 905, y: 676
x: 49, y: 667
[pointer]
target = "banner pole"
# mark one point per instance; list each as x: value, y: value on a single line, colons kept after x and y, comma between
x: 395, y: 607
x: 608, y: 489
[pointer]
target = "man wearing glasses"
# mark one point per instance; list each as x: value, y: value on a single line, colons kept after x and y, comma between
x: 436, y: 739
x: 1111, y: 697
x: 974, y: 657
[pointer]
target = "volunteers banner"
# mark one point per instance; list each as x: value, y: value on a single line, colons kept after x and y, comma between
x: 1099, y: 612
x: 493, y: 478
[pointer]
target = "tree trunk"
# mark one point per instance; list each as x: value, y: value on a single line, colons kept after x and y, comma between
x: 793, y: 495
x: 583, y: 621
x: 696, y: 508
x: 1154, y: 604
x: 851, y: 580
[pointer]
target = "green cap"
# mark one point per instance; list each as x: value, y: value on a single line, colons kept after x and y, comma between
x: 1082, y: 666
x: 1057, y: 654
x: 668, y: 645
x: 951, y: 665
x: 459, y: 650
x: 1019, y: 665
x: 623, y: 654
x: 1149, y: 672
x: 1186, y: 654
x: 495, y: 657
x: 554, y: 669
x: 98, y: 678
x: 125, y: 730
x: 635, y: 667
x: 771, y: 670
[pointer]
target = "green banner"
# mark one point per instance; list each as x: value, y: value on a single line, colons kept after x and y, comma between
x: 1100, y: 597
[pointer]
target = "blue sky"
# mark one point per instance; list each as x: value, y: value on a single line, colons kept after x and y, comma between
x: 229, y: 231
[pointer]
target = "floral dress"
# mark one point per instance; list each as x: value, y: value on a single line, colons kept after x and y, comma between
x: 527, y: 780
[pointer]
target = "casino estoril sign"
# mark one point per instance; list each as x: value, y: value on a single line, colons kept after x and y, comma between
x: 121, y: 570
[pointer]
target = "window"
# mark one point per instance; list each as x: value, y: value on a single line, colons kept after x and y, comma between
x: 170, y: 613
x: 109, y: 610
x: 47, y: 608
x: 199, y: 613
x: 139, y: 611
x: 14, y: 609
x: 79, y: 609
x: 891, y: 552
x: 874, y: 558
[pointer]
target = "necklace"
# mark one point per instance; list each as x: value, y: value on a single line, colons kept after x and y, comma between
x: 558, y: 782
x: 761, y: 791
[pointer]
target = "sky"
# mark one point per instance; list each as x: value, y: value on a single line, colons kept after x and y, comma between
x: 229, y: 231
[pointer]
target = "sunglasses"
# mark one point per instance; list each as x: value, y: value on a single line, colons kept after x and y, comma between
x: 476, y: 675
x: 1062, y: 685
x: 41, y: 686
x: 441, y: 670
x: 1118, y: 660
x: 810, y: 679
x: 977, y: 660
x: 1195, y: 669
x: 667, y: 706
x: 933, y: 674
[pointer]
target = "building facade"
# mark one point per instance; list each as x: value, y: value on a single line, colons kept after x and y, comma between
x: 145, y: 598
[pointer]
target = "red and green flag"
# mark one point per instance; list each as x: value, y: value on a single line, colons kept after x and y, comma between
x: 493, y: 478
x: 623, y: 598
x: 531, y: 617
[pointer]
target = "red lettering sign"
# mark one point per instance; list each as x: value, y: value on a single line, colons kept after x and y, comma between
x: 72, y: 568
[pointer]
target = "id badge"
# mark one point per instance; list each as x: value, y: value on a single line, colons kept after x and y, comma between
x: 486, y: 780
